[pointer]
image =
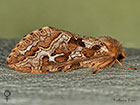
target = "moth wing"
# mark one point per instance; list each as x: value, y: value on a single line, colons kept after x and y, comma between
x: 25, y: 56
x: 96, y: 62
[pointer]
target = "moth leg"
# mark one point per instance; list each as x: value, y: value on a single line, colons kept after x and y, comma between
x: 117, y: 62
x: 104, y: 64
x: 111, y: 64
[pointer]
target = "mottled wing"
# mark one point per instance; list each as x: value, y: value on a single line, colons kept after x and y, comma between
x: 36, y: 49
x: 49, y: 49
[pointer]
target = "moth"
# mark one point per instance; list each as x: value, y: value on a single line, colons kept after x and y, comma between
x: 49, y: 50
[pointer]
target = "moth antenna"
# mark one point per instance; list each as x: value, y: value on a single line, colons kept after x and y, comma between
x: 128, y: 68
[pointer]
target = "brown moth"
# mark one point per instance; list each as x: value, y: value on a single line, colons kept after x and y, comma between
x: 49, y: 49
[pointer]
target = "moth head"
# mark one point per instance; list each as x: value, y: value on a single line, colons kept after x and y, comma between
x: 115, y: 47
x: 121, y: 56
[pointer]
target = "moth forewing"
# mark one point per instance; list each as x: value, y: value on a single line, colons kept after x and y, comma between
x: 49, y: 49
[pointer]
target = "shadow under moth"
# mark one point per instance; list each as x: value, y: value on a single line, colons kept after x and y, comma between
x: 49, y: 49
